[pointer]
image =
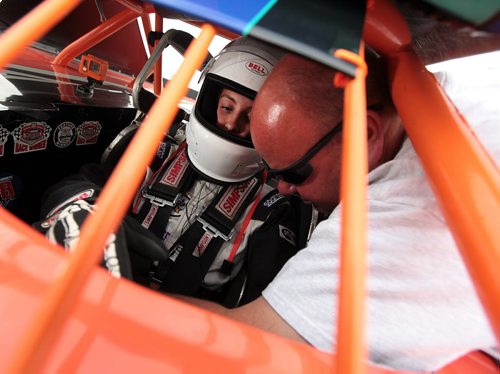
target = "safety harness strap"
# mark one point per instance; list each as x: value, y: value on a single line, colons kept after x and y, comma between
x: 189, y: 261
x: 171, y: 181
x: 193, y: 253
x: 162, y: 194
x: 226, y: 208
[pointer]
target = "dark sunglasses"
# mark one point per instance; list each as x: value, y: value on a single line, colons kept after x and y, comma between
x: 300, y: 170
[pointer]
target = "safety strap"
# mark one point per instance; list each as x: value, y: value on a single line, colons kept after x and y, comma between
x: 163, y: 191
x: 227, y: 265
x: 193, y: 253
x: 171, y: 181
x: 226, y: 208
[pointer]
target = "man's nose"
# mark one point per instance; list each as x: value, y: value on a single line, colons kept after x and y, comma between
x: 286, y: 188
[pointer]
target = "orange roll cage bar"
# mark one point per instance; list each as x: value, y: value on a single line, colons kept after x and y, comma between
x: 32, y: 27
x: 97, y: 35
x: 464, y: 172
x: 353, y: 189
x: 124, y: 181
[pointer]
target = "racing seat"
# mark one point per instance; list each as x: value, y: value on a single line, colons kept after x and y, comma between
x: 179, y: 40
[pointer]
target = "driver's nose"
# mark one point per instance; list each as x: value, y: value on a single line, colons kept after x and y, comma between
x: 230, y: 124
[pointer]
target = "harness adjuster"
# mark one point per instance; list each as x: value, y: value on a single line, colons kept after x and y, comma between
x: 154, y: 282
x: 162, y: 202
x: 216, y: 233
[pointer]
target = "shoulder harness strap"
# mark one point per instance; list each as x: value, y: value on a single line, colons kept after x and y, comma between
x: 191, y: 256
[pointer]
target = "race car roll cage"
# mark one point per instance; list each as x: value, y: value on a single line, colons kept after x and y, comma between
x: 464, y: 171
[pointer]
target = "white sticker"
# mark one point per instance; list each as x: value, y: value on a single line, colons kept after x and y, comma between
x: 64, y: 134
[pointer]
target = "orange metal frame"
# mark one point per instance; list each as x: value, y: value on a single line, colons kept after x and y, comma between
x: 124, y: 182
x: 465, y: 181
x: 32, y: 27
x: 464, y: 172
x: 97, y: 35
x: 157, y: 84
x: 350, y: 324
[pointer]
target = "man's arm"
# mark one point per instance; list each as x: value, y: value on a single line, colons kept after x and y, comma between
x: 257, y: 313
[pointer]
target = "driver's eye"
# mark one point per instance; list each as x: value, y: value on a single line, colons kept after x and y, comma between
x: 226, y: 108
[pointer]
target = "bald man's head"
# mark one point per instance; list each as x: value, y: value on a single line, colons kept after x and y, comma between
x: 297, y: 102
x: 297, y: 107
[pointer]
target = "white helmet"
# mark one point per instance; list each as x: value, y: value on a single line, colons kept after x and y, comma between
x: 242, y: 66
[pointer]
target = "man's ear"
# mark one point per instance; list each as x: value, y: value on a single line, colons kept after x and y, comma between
x: 375, y: 132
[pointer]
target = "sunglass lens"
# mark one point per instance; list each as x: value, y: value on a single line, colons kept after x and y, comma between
x: 298, y: 176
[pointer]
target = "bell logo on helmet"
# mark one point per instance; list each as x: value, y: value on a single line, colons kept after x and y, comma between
x: 256, y: 68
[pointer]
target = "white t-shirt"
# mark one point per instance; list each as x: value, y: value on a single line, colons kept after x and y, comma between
x: 422, y: 309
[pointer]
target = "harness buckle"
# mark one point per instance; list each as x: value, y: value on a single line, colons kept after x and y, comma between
x: 162, y: 202
x: 216, y: 233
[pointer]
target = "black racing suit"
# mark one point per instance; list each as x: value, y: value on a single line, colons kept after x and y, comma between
x: 182, y: 240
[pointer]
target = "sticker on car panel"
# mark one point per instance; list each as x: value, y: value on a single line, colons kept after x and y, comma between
x: 31, y: 137
x: 4, y: 136
x: 88, y: 132
x: 64, y: 134
x: 7, y: 191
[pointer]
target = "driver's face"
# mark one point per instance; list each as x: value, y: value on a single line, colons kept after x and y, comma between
x: 233, y: 113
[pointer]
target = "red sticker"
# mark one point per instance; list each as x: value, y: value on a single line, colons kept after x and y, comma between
x: 31, y: 137
x: 4, y: 136
x: 7, y: 191
x: 88, y: 132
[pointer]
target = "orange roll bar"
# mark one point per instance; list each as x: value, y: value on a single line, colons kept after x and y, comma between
x: 94, y: 37
x: 158, y: 79
x: 352, y: 277
x: 466, y: 180
x: 146, y: 23
x: 32, y: 27
x: 112, y: 205
x: 130, y: 4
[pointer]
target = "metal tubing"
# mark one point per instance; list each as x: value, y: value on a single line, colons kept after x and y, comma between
x: 158, y: 79
x: 132, y: 5
x: 95, y: 36
x: 112, y: 205
x: 466, y: 180
x: 32, y: 27
x: 351, y: 349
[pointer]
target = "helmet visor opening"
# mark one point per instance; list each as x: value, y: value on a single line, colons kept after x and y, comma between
x: 224, y: 107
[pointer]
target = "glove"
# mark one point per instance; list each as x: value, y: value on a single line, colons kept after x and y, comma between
x: 63, y: 227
